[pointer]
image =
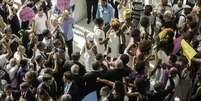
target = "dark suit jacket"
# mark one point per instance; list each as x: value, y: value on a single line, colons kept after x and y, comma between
x: 4, y: 13
x: 15, y: 95
x: 74, y: 91
x: 90, y: 81
x: 29, y: 96
x: 116, y: 74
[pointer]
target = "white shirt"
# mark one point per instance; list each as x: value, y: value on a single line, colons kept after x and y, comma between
x: 40, y: 23
x: 67, y: 88
x: 163, y: 56
x: 17, y: 56
x: 114, y: 44
x: 182, y: 21
x: 99, y: 36
x: 3, y: 60
x: 48, y: 42
x: 11, y: 70
x: 39, y: 53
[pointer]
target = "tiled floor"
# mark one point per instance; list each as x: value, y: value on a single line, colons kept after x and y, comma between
x: 88, y: 27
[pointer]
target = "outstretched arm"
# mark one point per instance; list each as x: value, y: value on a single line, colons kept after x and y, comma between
x: 110, y: 83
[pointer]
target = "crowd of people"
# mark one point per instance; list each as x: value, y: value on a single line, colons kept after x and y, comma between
x: 138, y: 51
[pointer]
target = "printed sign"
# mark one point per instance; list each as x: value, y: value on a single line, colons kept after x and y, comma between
x: 188, y: 51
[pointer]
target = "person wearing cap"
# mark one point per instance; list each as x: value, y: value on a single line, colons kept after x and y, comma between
x: 89, y: 50
x: 67, y: 23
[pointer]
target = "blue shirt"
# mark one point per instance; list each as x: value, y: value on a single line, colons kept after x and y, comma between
x: 105, y: 12
x: 67, y: 28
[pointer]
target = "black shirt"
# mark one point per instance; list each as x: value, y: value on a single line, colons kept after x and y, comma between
x: 15, y: 25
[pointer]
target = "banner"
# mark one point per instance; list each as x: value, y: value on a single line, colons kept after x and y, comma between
x: 27, y: 14
x: 63, y: 4
x: 188, y: 51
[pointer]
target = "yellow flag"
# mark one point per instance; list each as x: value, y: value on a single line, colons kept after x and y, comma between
x: 188, y: 51
x: 163, y: 33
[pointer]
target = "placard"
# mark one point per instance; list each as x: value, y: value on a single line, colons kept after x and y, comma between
x: 188, y: 51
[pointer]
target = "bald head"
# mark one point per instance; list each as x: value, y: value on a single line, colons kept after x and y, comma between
x: 65, y: 14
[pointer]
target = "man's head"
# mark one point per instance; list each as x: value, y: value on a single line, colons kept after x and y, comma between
x: 144, y: 21
x: 96, y: 66
x: 115, y: 24
x: 67, y: 77
x: 167, y: 15
x: 40, y: 12
x: 76, y: 56
x: 179, y: 3
x: 124, y: 58
x: 46, y: 33
x: 104, y: 2
x: 75, y: 69
x: 164, y: 2
x: 40, y: 60
x: 158, y: 86
x: 119, y: 64
x: 66, y: 97
x: 8, y: 30
x: 65, y: 14
x: 8, y: 89
x: 135, y: 34
x: 29, y: 76
x: 128, y: 15
x: 12, y: 62
x: 140, y: 66
x: 104, y: 91
x: 187, y: 9
x: 99, y: 57
x: 99, y: 22
x: 148, y: 9
x: 23, y: 63
x: 24, y: 86
x: 21, y: 49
